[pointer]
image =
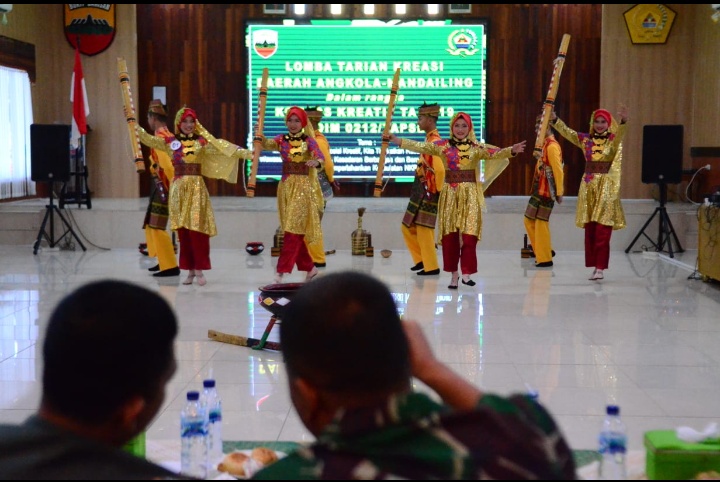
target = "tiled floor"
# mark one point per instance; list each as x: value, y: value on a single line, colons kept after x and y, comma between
x: 646, y: 338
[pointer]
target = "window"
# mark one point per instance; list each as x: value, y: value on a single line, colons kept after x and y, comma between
x: 16, y: 117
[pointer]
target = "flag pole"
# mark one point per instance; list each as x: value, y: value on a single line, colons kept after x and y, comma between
x: 85, y: 189
x: 82, y: 193
x: 84, y: 154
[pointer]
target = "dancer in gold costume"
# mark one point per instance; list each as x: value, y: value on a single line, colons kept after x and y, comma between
x: 599, y: 210
x: 327, y: 184
x: 195, y: 153
x: 299, y: 198
x: 461, y: 199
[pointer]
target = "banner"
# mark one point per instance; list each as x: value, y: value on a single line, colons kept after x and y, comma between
x: 349, y: 77
x: 78, y: 97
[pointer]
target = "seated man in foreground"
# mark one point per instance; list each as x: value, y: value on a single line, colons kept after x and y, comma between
x: 350, y: 360
x: 107, y: 356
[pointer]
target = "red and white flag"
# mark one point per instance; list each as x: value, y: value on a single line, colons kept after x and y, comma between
x: 78, y: 97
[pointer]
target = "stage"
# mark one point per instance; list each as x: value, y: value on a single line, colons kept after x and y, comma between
x: 117, y: 223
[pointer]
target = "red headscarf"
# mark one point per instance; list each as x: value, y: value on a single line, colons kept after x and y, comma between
x: 466, y: 117
x: 604, y: 114
x: 300, y: 113
x: 182, y: 114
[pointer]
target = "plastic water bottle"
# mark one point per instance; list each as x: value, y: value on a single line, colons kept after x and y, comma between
x: 193, y: 437
x: 531, y: 392
x: 613, y: 446
x: 210, y: 400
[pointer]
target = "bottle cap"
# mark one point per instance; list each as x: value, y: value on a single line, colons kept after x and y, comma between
x: 208, y: 383
x: 613, y: 410
x: 193, y: 395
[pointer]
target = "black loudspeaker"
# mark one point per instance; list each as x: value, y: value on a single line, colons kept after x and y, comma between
x: 50, y: 152
x: 662, y: 154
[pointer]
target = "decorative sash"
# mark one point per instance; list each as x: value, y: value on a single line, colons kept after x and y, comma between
x: 188, y: 170
x: 422, y: 208
x: 598, y: 167
x: 299, y: 168
x: 461, y: 175
x: 539, y: 208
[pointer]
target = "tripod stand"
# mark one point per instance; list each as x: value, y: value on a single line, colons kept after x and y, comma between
x: 666, y: 232
x: 78, y: 192
x: 50, y: 210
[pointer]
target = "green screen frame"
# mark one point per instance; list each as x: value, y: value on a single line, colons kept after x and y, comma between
x: 345, y: 67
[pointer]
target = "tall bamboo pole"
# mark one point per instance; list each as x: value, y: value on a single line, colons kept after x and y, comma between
x: 130, y: 115
x: 386, y: 132
x: 549, y: 103
x: 257, y: 138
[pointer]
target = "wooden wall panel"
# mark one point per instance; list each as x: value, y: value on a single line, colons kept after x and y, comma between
x: 671, y: 83
x: 111, y: 173
x: 705, y: 80
x: 199, y: 55
x: 656, y: 82
x: 524, y: 40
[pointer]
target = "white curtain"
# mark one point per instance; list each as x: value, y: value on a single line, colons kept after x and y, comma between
x: 16, y: 115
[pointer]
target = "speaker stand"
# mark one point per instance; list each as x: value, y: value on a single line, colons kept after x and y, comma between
x: 50, y: 211
x: 80, y: 192
x: 666, y: 232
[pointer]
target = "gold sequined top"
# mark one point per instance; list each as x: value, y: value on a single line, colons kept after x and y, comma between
x: 599, y: 193
x: 461, y: 204
x: 189, y: 200
x: 299, y: 197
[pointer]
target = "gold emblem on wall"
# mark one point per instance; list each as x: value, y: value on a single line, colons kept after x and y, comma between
x: 649, y: 23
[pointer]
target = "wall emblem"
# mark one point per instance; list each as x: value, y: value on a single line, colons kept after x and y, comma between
x: 462, y: 42
x: 91, y: 26
x: 649, y: 23
x: 265, y: 43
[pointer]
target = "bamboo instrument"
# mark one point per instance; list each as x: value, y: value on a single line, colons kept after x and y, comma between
x: 258, y: 136
x: 130, y: 115
x: 242, y: 341
x: 386, y: 133
x: 549, y: 103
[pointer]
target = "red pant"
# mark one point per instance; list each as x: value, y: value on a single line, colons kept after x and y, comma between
x: 597, y: 245
x: 294, y: 251
x: 194, y: 249
x: 453, y: 253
